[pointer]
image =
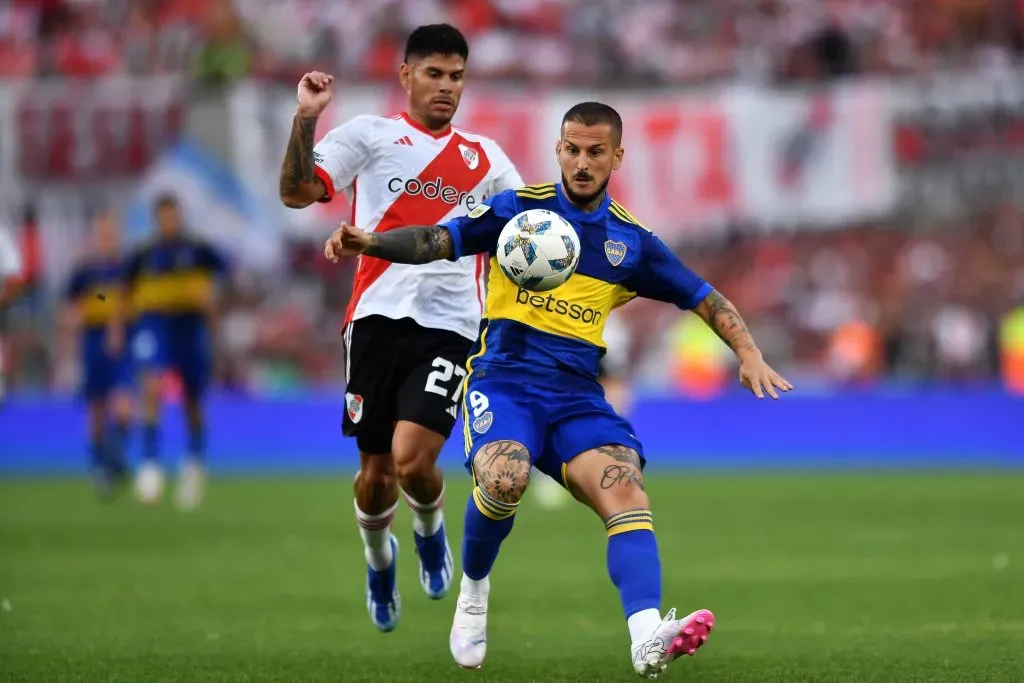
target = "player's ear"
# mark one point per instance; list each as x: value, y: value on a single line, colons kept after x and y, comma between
x: 405, y: 76
x: 617, y: 157
x: 558, y: 147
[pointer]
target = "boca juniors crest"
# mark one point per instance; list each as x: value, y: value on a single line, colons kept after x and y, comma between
x: 615, y: 251
x: 483, y: 423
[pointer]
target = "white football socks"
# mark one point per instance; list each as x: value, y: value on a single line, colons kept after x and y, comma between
x: 376, y: 533
x: 642, y: 624
x: 426, y: 519
x: 475, y: 586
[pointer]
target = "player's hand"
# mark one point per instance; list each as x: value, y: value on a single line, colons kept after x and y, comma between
x: 758, y: 376
x: 346, y: 242
x: 314, y: 93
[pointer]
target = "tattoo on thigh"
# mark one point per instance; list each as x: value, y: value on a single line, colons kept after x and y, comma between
x: 620, y: 453
x: 502, y: 469
x: 621, y: 475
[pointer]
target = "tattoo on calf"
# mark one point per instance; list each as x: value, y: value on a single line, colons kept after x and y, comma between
x: 502, y: 469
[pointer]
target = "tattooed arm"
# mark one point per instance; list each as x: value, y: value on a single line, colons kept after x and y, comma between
x: 722, y: 317
x: 298, y: 185
x: 415, y: 244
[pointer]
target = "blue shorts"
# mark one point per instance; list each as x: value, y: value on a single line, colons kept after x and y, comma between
x: 103, y: 373
x: 179, y: 343
x: 555, y: 425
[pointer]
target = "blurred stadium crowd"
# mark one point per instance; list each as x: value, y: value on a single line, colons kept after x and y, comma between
x: 556, y: 41
x: 895, y: 298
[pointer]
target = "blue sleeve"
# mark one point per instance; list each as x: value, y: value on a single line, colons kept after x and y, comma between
x: 477, y: 232
x: 663, y: 277
x: 132, y: 267
x: 77, y: 285
x: 211, y: 259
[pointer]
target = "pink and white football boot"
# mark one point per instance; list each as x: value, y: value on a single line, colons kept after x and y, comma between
x: 672, y: 638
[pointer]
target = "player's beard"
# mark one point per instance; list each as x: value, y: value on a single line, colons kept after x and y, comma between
x: 583, y: 199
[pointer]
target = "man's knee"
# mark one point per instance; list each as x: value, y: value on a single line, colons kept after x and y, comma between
x: 376, y: 470
x: 611, y: 479
x: 502, y: 470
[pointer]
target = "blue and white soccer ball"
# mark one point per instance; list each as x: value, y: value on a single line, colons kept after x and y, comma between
x: 538, y: 250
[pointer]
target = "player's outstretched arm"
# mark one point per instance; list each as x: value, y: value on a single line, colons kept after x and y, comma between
x: 414, y: 244
x: 298, y: 185
x: 721, y: 316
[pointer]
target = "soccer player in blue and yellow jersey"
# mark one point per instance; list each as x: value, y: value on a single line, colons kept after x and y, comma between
x: 532, y: 394
x: 170, y: 286
x: 92, y: 305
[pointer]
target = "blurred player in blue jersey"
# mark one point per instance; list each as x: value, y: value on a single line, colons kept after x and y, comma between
x: 93, y: 301
x: 532, y: 394
x: 171, y: 283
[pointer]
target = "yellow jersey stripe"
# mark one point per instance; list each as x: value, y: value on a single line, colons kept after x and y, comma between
x: 535, y: 195
x: 468, y: 435
x: 630, y: 217
x: 538, y: 186
x: 618, y: 213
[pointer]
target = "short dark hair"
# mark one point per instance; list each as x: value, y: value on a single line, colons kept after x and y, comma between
x: 165, y: 200
x: 436, y: 39
x: 593, y: 114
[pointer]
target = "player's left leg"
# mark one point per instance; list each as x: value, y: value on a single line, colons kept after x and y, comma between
x: 609, y: 479
x: 426, y: 406
x: 148, y: 349
x: 191, y: 354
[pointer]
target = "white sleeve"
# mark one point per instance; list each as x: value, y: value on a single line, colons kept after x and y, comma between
x: 506, y: 177
x: 342, y: 154
x: 10, y: 257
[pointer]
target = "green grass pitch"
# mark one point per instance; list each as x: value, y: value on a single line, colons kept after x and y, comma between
x: 813, y: 577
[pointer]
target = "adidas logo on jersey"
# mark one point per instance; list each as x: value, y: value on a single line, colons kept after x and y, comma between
x: 404, y: 140
x: 453, y: 411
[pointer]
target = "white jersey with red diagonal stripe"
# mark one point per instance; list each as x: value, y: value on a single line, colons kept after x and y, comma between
x: 398, y: 173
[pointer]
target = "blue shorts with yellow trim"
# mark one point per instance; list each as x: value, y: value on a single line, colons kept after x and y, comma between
x: 103, y: 373
x: 179, y: 343
x: 554, y: 424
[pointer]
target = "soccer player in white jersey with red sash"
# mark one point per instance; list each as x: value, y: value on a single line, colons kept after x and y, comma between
x: 407, y: 329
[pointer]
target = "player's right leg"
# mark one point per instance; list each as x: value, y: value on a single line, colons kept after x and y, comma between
x: 99, y: 445
x: 149, y: 354
x: 376, y: 500
x: 510, y: 420
x: 98, y: 383
x: 371, y: 360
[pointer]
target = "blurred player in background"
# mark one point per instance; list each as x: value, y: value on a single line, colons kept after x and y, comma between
x: 613, y: 373
x: 10, y: 286
x: 532, y: 382
x: 170, y: 286
x: 407, y: 330
x: 93, y: 300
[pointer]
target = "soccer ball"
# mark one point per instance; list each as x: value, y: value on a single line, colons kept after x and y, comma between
x: 538, y: 250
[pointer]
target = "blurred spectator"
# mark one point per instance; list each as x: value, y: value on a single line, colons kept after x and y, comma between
x: 578, y: 41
